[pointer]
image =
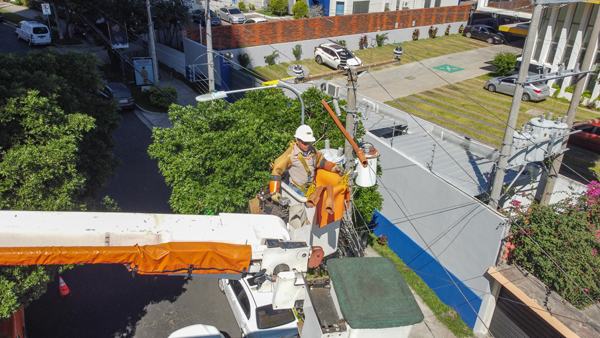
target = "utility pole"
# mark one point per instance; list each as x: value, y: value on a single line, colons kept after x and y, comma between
x: 556, y: 164
x: 209, y: 48
x: 511, y: 124
x: 151, y: 44
x: 350, y: 108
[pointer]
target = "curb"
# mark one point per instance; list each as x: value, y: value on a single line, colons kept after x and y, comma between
x: 143, y: 117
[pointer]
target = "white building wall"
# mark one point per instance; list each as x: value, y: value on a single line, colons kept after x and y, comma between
x: 379, y: 5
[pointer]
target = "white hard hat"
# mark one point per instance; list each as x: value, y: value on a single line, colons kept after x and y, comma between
x: 305, y: 133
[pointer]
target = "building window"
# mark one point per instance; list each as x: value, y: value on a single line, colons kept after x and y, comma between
x: 427, y: 4
x: 359, y: 7
x: 560, y: 21
x: 438, y: 3
x: 542, y: 33
x: 339, y: 8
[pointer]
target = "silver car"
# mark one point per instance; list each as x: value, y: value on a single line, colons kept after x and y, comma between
x: 231, y: 15
x: 536, y: 91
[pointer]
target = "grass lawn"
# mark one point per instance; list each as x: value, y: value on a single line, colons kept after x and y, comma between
x: 12, y: 17
x: 468, y: 109
x: 414, y: 51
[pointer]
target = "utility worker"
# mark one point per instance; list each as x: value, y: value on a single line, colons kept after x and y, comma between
x: 302, y: 159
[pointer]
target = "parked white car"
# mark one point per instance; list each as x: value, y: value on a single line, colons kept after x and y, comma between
x: 335, y: 55
x: 197, y: 331
x: 231, y: 15
x: 34, y: 33
x: 254, y: 311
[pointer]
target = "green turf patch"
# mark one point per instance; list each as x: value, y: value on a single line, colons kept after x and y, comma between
x: 12, y: 17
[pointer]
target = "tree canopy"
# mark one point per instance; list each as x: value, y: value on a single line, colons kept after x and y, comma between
x: 55, y: 148
x: 216, y: 157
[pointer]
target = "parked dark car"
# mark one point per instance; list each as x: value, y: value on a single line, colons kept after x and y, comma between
x: 1, y: 17
x: 120, y: 93
x: 485, y: 33
x: 589, y: 137
x: 198, y: 16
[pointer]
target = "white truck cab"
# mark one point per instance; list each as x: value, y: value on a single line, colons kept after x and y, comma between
x: 34, y: 33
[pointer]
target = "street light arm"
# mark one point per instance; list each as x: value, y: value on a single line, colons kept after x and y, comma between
x: 295, y: 91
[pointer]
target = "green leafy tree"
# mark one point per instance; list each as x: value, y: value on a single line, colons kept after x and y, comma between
x: 216, y: 157
x: 505, y: 63
x: 55, y: 148
x: 279, y: 7
x: 300, y: 10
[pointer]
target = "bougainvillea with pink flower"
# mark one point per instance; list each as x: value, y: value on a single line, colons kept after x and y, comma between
x: 569, y: 231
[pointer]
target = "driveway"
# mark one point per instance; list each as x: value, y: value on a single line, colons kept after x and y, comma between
x: 415, y: 77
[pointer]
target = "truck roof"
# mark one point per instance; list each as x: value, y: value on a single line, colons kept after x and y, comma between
x: 372, y: 293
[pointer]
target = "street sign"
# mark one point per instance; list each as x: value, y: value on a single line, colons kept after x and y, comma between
x: 448, y: 68
x: 46, y: 9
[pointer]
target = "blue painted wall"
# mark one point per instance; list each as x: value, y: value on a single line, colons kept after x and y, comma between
x: 430, y: 270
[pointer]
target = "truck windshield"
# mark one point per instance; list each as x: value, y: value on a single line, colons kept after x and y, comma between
x: 267, y: 317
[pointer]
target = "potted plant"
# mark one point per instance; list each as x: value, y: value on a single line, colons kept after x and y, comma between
x: 461, y: 28
x: 416, y: 34
x: 433, y: 32
x: 448, y: 30
x: 363, y: 42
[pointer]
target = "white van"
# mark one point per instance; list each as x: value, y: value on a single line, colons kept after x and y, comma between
x: 33, y: 32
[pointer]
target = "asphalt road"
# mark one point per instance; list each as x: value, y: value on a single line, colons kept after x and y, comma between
x: 106, y: 300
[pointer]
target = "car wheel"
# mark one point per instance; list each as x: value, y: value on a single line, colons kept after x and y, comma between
x: 221, y: 286
x: 490, y: 41
x: 525, y: 97
x: 339, y: 67
x: 318, y: 59
x: 468, y: 34
x: 492, y: 88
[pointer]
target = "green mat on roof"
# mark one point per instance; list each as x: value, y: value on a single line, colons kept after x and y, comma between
x: 372, y: 293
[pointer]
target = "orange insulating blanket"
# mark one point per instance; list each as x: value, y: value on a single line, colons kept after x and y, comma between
x: 161, y: 259
x: 341, y: 195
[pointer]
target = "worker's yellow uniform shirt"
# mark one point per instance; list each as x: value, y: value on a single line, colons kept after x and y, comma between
x: 290, y: 160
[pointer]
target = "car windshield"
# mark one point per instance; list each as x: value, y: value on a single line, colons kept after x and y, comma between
x: 267, y: 317
x: 492, y: 30
x: 234, y: 11
x: 213, y: 15
x: 40, y: 30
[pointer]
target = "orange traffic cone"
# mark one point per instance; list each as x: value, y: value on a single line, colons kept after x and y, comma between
x: 62, y: 286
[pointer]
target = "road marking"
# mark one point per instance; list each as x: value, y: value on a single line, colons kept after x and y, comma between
x: 448, y: 68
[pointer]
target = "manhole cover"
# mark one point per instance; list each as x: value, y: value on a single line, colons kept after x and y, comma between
x: 410, y: 77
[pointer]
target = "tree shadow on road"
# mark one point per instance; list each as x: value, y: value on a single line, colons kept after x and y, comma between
x: 104, y: 301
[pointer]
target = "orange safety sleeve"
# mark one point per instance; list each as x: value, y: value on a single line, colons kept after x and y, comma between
x: 274, y: 185
x: 322, y: 163
x: 161, y: 259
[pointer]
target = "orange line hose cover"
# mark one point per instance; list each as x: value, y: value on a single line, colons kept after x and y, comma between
x: 166, y: 258
x: 359, y: 152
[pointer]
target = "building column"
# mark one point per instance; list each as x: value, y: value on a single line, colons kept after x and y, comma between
x: 548, y: 36
x: 562, y: 42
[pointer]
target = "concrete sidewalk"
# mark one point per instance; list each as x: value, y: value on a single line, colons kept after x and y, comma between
x: 415, y: 77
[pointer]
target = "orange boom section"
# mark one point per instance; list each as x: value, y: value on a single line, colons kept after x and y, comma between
x: 160, y: 259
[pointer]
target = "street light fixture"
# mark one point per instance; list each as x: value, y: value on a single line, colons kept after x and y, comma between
x: 223, y: 94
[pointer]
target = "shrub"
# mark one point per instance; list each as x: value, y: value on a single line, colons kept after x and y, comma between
x: 342, y: 42
x: 380, y: 38
x: 505, y: 63
x: 244, y: 60
x: 300, y: 10
x: 569, y: 231
x: 242, y: 6
x: 163, y: 96
x: 297, y: 50
x: 279, y: 7
x: 270, y: 59
x: 316, y: 11
x: 557, y: 87
x: 570, y: 89
x: 416, y: 34
x: 461, y: 29
x: 448, y: 30
x: 433, y: 32
x: 363, y: 42
x: 252, y: 6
